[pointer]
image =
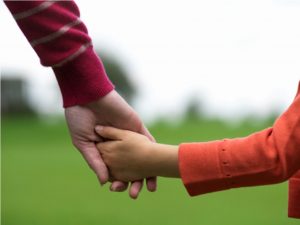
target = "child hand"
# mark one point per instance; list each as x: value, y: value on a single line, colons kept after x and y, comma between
x: 127, y: 154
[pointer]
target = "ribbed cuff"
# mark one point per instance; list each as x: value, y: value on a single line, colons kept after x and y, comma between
x: 83, y: 79
x: 200, y: 169
x: 294, y: 198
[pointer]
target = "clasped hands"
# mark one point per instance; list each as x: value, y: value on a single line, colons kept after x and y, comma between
x: 131, y: 156
x: 107, y: 159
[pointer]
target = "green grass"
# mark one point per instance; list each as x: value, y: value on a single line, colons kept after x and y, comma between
x: 46, y: 182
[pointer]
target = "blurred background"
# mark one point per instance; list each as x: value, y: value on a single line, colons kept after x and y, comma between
x: 193, y: 70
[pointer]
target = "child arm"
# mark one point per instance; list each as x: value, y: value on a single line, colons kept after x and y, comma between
x: 266, y: 157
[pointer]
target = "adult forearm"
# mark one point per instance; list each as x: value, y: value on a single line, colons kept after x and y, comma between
x: 61, y: 40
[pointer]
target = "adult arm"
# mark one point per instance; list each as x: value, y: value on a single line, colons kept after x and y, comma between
x: 61, y: 40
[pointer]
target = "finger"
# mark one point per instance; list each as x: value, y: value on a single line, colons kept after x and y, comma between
x: 118, y: 186
x: 151, y: 183
x: 95, y: 162
x: 146, y: 132
x: 135, y: 188
x: 110, y: 132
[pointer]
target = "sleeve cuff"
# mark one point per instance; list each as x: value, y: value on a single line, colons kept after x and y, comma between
x: 83, y: 79
x: 200, y: 169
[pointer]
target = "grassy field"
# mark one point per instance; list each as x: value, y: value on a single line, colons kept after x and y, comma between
x: 46, y: 182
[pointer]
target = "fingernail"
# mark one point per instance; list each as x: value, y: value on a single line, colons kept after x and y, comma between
x: 118, y: 189
x: 134, y: 197
x: 113, y: 189
x: 101, y: 182
x: 98, y: 128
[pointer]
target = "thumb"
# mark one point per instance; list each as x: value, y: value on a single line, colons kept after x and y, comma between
x: 110, y: 132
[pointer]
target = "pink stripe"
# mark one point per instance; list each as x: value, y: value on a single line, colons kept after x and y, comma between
x: 76, y: 54
x: 47, y: 22
x: 60, y: 48
x: 21, y: 6
x: 35, y: 10
x: 55, y: 34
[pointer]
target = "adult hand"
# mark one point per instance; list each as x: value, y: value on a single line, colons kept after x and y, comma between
x: 109, y: 110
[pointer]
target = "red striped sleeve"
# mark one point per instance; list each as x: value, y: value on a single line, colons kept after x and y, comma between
x: 21, y: 6
x: 48, y: 20
x: 61, y: 40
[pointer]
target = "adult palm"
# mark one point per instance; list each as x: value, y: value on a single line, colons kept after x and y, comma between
x: 109, y: 110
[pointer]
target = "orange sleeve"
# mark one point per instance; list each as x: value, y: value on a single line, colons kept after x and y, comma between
x: 294, y: 196
x: 266, y: 157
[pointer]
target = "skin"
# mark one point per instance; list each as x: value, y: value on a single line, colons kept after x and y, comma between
x: 109, y: 110
x: 131, y: 156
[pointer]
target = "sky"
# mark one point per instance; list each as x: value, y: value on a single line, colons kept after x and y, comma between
x: 235, y: 57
